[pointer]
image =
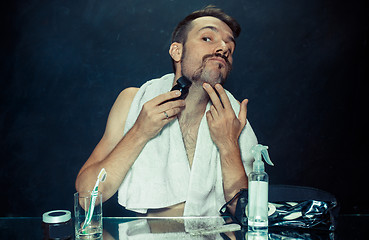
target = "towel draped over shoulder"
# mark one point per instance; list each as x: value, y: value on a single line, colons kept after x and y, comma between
x: 161, y: 175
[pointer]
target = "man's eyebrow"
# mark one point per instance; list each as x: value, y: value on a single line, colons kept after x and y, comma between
x: 216, y: 30
x: 209, y: 27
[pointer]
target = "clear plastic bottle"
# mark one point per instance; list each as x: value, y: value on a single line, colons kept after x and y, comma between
x: 258, y: 191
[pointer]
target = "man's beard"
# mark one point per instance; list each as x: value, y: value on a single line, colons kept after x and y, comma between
x: 202, y: 74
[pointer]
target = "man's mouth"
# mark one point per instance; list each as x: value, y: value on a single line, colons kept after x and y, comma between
x: 222, y: 60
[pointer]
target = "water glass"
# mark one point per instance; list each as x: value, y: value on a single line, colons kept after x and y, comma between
x: 90, y: 228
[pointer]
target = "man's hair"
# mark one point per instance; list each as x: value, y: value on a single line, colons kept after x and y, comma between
x: 181, y: 31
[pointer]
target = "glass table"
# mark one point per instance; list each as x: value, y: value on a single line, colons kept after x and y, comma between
x: 350, y: 227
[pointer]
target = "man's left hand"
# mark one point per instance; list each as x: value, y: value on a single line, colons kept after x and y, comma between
x: 225, y: 127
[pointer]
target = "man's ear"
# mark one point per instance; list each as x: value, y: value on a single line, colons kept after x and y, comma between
x: 175, y: 51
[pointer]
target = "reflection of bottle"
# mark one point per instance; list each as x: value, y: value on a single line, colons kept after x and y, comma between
x: 258, y: 191
x: 250, y: 235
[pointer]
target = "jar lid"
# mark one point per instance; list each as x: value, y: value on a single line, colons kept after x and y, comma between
x: 57, y: 216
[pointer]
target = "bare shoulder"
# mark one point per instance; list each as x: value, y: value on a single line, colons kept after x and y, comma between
x: 124, y: 100
x: 114, y: 127
x: 119, y: 111
x: 126, y: 96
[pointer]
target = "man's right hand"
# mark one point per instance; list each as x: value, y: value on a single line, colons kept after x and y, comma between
x: 156, y: 113
x: 115, y: 152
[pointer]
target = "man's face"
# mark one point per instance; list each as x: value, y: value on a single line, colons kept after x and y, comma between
x: 207, y: 54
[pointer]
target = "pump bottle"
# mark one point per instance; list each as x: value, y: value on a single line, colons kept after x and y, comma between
x: 258, y: 191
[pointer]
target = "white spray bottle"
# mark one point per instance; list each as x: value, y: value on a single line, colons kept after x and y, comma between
x: 258, y: 191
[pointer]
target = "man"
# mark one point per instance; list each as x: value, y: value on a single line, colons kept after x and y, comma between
x: 157, y: 182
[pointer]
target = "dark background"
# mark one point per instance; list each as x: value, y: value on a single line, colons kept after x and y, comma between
x: 302, y: 63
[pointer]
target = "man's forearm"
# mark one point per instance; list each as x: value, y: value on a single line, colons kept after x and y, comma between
x: 117, y: 164
x: 233, y: 172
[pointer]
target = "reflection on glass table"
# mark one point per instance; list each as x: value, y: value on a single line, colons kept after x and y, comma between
x: 201, y: 228
x: 350, y: 227
x: 175, y: 228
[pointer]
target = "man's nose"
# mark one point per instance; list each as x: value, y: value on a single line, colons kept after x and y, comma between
x: 223, y: 49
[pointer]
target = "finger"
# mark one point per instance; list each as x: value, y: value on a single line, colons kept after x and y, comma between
x: 223, y: 96
x: 165, y: 97
x: 209, y: 117
x: 242, y: 116
x: 166, y: 119
x: 169, y: 119
x: 213, y: 96
x: 171, y: 113
x: 172, y: 104
x: 214, y: 112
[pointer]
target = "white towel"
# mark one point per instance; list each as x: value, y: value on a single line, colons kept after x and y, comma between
x: 193, y: 229
x: 161, y: 175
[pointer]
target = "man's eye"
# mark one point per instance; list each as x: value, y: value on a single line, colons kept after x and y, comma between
x: 206, y: 39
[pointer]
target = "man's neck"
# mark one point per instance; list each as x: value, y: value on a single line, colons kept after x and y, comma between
x: 190, y: 118
x: 196, y: 101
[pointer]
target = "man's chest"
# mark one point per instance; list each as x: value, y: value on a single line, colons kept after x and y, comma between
x: 189, y: 134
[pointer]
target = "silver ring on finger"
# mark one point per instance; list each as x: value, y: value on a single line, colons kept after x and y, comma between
x: 166, y: 114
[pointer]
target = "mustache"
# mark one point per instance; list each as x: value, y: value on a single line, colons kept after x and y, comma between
x: 207, y: 56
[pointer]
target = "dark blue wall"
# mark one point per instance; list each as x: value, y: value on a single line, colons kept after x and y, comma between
x: 301, y: 63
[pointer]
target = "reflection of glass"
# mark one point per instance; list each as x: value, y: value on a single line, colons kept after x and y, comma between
x: 81, y: 205
x: 257, y: 235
